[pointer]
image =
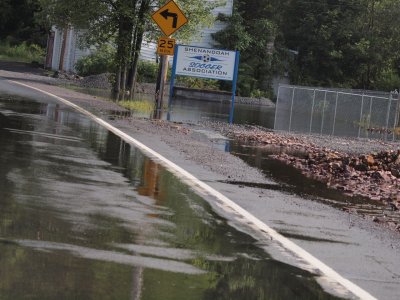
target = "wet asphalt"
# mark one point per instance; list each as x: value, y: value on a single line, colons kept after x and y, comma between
x: 359, y: 252
x: 86, y: 216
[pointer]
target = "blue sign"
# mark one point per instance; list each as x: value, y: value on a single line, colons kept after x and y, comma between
x: 206, y: 63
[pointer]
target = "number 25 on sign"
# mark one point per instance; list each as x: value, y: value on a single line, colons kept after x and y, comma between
x: 166, y: 46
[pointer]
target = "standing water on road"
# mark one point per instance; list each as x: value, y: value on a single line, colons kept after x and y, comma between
x: 196, y: 110
x: 86, y: 216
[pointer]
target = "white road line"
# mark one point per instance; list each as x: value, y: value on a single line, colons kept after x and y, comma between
x: 202, y: 187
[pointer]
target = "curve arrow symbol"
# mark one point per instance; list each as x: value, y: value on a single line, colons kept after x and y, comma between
x: 166, y: 14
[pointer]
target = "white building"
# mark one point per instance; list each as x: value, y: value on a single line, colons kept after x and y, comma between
x: 73, y: 52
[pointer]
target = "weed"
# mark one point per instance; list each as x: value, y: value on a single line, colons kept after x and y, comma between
x: 22, y: 52
x: 138, y: 105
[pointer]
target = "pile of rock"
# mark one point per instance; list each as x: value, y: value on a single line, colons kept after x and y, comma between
x: 375, y: 176
x: 66, y: 76
x: 101, y: 81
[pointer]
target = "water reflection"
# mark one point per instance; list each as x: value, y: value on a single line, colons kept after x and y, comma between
x: 86, y: 216
x: 293, y: 181
x: 194, y: 111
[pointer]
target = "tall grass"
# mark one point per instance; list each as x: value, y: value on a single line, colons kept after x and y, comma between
x: 142, y: 106
x: 22, y: 52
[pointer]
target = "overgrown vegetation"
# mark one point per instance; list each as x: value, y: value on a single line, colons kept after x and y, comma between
x: 142, y: 106
x: 197, y: 83
x: 147, y: 71
x: 334, y: 43
x: 252, y: 30
x: 126, y: 24
x: 19, y: 22
x: 102, y: 61
x: 339, y: 43
x: 22, y: 36
x: 22, y: 52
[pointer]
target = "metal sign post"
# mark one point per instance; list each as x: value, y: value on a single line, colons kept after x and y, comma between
x: 172, y: 83
x: 234, y: 84
x: 169, y: 18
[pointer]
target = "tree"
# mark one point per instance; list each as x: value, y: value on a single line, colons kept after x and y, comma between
x: 252, y: 31
x: 379, y: 30
x: 18, y: 23
x: 336, y: 43
x: 348, y: 43
x: 125, y: 23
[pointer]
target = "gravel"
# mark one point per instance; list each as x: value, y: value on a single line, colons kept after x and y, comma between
x: 351, y: 146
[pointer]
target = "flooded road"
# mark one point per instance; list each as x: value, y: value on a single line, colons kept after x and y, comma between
x: 84, y: 215
x: 195, y: 110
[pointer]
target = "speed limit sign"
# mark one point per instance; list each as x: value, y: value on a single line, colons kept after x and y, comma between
x: 165, y: 46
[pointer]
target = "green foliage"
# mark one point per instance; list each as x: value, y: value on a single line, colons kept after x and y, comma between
x: 147, y: 71
x: 253, y: 34
x: 125, y: 23
x: 342, y: 43
x: 260, y: 94
x: 22, y: 52
x: 139, y: 106
x: 388, y: 80
x: 199, y: 16
x: 97, y: 63
x: 18, y: 22
x: 198, y: 83
x: 235, y: 35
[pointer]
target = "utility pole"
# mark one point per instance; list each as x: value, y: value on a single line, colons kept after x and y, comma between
x: 161, y: 79
x: 169, y: 18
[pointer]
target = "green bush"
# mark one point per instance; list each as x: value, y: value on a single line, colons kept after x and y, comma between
x: 102, y: 61
x: 22, y: 52
x: 142, y: 106
x: 198, y: 83
x: 147, y: 71
x: 389, y: 80
x: 261, y: 94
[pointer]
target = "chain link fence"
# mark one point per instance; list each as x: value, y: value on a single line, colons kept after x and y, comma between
x: 350, y: 113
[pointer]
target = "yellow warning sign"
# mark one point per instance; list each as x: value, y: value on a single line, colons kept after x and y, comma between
x: 169, y: 18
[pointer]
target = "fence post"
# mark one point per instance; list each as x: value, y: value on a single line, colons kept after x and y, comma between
x: 312, y: 110
x: 334, y: 116
x: 387, y: 116
x: 370, y: 114
x: 362, y: 108
x: 396, y: 117
x: 291, y: 110
x: 323, y: 112
x: 276, y: 106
